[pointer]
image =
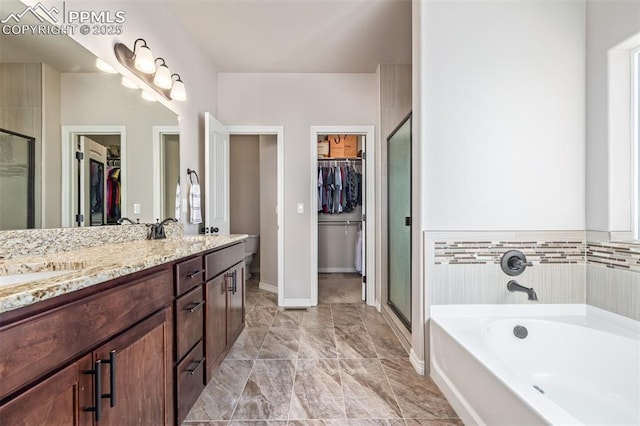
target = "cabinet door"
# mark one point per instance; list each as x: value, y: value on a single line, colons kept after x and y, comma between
x: 141, y: 374
x: 235, y: 290
x: 59, y: 400
x: 215, y: 322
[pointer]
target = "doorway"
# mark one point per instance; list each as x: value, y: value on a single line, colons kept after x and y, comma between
x: 253, y: 202
x: 342, y: 240
x: 90, y: 154
x: 270, y: 247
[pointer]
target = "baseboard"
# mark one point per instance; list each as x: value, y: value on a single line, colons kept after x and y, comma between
x: 296, y: 303
x: 268, y: 287
x: 418, y: 364
x: 342, y: 270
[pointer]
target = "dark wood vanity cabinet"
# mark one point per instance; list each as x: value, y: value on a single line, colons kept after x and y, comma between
x: 209, y: 318
x: 101, y: 357
x: 136, y: 350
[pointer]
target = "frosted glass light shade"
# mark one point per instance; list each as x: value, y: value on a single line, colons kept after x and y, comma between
x: 103, y: 66
x: 162, y: 78
x: 144, y: 60
x: 148, y: 97
x: 128, y: 83
x: 178, y: 92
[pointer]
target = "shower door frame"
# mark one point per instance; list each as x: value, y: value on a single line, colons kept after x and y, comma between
x: 31, y: 176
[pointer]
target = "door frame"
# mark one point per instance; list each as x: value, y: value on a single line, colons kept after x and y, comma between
x: 278, y: 131
x: 69, y: 173
x: 158, y: 166
x: 370, y: 206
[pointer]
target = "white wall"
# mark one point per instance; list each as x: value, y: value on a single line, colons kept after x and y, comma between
x: 244, y: 184
x: 156, y: 23
x: 608, y: 147
x: 502, y: 115
x: 297, y: 101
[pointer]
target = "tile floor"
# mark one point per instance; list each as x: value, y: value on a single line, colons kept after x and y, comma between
x: 334, y: 364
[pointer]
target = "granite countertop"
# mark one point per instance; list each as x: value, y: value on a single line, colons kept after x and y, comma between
x: 90, y: 266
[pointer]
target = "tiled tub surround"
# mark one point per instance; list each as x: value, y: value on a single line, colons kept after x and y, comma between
x: 613, y: 277
x: 37, y: 242
x: 465, y: 267
x: 94, y: 265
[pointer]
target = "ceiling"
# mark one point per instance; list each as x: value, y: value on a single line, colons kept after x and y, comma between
x: 61, y: 53
x: 302, y: 36
x: 306, y: 36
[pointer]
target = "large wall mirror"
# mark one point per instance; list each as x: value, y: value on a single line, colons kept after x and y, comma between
x: 54, y: 103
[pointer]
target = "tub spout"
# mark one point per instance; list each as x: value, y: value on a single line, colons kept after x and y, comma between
x: 514, y: 286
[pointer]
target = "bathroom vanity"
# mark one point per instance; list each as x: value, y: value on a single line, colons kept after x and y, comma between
x: 132, y: 343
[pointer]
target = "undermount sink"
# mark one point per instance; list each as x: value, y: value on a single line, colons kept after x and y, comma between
x: 7, y: 280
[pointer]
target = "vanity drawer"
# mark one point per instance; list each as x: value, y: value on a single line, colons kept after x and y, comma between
x: 189, y: 381
x: 189, y: 274
x: 221, y: 260
x: 189, y: 321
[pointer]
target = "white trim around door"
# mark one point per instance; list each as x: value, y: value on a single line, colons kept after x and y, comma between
x: 278, y: 131
x: 69, y: 173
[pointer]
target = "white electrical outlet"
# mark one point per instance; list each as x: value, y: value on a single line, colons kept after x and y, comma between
x: 300, y: 208
x: 136, y: 208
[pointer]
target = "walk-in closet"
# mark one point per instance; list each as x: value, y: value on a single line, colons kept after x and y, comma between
x: 341, y: 213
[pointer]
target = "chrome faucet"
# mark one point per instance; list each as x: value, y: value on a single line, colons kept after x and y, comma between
x: 122, y: 219
x: 156, y: 231
x: 513, y: 286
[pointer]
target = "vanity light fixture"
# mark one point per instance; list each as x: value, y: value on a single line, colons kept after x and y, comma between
x: 103, y: 66
x: 158, y: 78
x: 178, y: 91
x: 162, y: 77
x: 128, y: 83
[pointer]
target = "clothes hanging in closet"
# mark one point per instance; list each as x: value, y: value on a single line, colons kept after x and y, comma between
x: 113, y: 194
x: 339, y: 188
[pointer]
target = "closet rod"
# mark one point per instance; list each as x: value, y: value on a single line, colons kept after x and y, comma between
x: 338, y: 222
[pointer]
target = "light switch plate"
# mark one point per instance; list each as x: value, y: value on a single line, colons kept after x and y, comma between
x: 136, y: 208
x: 300, y: 208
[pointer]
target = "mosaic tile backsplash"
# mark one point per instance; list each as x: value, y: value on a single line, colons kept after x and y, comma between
x: 490, y: 252
x: 625, y: 256
x: 616, y: 255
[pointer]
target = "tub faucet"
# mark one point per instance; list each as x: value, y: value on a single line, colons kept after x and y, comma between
x: 123, y: 219
x: 513, y: 286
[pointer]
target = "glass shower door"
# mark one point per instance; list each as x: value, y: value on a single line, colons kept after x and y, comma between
x: 399, y: 220
x: 17, y: 180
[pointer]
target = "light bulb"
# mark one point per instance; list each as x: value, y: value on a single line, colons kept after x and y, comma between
x: 162, y: 78
x: 103, y: 66
x: 148, y: 97
x: 128, y: 83
x: 178, y: 91
x: 144, y: 60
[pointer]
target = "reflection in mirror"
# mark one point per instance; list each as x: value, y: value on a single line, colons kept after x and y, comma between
x: 52, y: 93
x: 17, y: 171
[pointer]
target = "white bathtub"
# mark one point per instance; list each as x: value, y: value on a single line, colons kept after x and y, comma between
x: 578, y: 365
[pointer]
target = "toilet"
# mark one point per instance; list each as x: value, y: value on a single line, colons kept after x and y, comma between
x: 251, y: 246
